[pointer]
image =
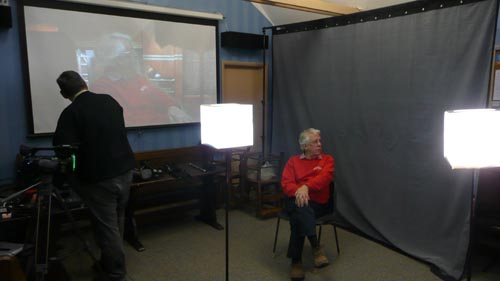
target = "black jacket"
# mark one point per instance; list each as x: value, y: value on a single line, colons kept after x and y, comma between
x: 95, y: 123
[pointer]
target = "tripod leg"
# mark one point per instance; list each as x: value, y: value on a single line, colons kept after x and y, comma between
x: 76, y: 229
x: 41, y: 258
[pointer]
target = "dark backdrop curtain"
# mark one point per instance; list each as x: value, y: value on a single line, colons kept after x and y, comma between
x: 378, y: 91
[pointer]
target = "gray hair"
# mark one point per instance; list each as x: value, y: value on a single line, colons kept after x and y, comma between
x: 111, y: 46
x: 304, y: 136
x: 108, y: 52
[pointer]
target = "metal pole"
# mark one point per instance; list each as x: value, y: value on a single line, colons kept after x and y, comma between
x: 263, y: 137
x: 472, y: 231
x: 228, y: 186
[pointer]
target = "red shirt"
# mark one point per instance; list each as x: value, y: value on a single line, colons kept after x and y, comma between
x: 317, y: 174
x: 143, y: 103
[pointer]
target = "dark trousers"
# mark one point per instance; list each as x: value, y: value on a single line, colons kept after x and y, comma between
x: 302, y: 224
x: 106, y: 201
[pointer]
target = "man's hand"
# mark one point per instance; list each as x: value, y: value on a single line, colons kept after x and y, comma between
x: 178, y: 115
x: 302, y: 196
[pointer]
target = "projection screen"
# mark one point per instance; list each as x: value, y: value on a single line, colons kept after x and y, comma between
x: 378, y: 90
x: 160, y: 68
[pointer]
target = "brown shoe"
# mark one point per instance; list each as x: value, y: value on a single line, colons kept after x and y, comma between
x: 320, y: 259
x: 297, y: 273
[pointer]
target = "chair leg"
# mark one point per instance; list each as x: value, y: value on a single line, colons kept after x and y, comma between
x: 276, y: 234
x: 336, y: 239
x: 289, y: 250
x: 489, y: 265
x: 259, y: 201
x: 319, y: 234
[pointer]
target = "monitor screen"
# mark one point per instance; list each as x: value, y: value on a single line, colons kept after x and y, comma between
x: 159, y: 68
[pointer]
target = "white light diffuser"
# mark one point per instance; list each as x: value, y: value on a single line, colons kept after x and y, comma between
x: 226, y: 125
x: 472, y: 138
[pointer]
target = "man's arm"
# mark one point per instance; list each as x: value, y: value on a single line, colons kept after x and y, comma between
x: 324, y: 176
x: 66, y: 130
x: 178, y: 115
x: 288, y: 179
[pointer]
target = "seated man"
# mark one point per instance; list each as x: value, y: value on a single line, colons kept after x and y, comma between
x: 306, y: 183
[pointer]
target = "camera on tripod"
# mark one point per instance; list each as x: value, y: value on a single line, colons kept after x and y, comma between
x: 32, y: 163
x: 46, y: 168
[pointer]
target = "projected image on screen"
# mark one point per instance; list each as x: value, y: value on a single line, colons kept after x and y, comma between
x: 159, y: 71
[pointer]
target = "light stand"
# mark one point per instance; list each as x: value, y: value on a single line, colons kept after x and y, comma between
x: 227, y: 126
x: 471, y: 141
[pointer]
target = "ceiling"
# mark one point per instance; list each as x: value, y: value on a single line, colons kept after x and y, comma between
x: 280, y: 16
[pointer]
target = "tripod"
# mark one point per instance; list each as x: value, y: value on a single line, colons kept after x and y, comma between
x: 46, y: 192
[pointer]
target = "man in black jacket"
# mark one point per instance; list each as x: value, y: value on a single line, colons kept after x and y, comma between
x: 94, y: 122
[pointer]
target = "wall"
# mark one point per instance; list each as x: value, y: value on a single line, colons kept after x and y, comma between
x: 239, y: 16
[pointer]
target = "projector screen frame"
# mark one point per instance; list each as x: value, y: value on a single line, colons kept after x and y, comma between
x: 113, y: 11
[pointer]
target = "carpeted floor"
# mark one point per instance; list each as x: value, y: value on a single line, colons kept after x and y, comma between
x: 184, y: 249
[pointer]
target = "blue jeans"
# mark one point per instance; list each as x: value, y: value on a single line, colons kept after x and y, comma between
x: 302, y: 224
x: 106, y: 201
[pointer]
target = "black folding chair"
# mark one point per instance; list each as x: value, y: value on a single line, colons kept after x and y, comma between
x: 324, y: 220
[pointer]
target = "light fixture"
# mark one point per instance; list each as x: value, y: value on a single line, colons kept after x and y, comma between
x: 472, y: 138
x: 226, y: 126
x: 472, y: 141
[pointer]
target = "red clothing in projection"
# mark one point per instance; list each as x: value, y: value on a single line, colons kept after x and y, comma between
x: 143, y: 103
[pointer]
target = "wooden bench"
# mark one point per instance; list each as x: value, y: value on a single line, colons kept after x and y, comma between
x: 180, y: 186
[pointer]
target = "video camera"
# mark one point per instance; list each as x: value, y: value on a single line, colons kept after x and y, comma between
x: 62, y: 160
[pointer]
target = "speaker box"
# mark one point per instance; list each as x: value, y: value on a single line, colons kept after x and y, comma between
x: 5, y: 17
x: 231, y: 39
